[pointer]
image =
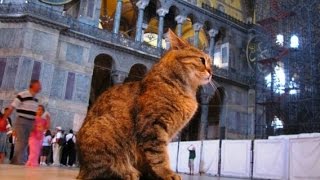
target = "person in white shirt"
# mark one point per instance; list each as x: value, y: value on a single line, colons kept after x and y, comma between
x: 46, y: 145
x: 69, y: 151
x: 56, y: 146
x: 277, y: 125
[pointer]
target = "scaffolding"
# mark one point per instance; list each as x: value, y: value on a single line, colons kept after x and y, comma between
x: 284, y: 51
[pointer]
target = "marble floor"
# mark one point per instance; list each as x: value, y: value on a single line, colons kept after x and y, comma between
x: 10, y: 172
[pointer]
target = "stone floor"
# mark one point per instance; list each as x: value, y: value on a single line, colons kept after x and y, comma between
x: 10, y: 172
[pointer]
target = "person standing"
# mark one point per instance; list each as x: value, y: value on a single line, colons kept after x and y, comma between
x: 46, y: 148
x: 36, y: 137
x: 192, y: 156
x: 3, y: 137
x: 26, y: 105
x: 69, y: 151
x: 56, y: 146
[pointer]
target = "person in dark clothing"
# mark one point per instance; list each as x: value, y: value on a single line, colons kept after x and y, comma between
x: 192, y: 156
x: 69, y: 151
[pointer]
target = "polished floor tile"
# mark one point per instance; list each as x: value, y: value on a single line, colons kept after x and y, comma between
x: 10, y: 172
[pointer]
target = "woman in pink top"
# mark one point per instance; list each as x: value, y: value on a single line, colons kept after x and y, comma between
x: 36, y: 137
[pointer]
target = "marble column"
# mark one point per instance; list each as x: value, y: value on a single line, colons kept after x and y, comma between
x: 161, y: 12
x: 212, y: 35
x: 118, y: 77
x: 204, y: 104
x: 117, y: 17
x: 144, y: 28
x: 141, y: 6
x: 180, y: 20
x: 196, y: 27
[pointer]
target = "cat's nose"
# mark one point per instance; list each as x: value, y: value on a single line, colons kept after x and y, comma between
x: 209, y: 71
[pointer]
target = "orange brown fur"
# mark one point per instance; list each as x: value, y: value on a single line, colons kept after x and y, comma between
x: 126, y: 132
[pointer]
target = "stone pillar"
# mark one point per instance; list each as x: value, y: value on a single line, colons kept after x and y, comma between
x: 212, y: 34
x: 117, y: 17
x: 204, y: 104
x: 161, y: 12
x: 180, y: 20
x: 144, y: 27
x: 141, y: 5
x: 196, y: 27
x: 118, y: 77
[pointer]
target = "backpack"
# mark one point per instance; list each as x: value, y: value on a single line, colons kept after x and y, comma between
x: 62, y: 141
x: 70, y: 142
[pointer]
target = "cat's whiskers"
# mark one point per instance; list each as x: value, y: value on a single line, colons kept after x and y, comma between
x: 216, y: 90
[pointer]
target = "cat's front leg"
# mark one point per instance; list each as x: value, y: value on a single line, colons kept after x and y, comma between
x: 155, y: 151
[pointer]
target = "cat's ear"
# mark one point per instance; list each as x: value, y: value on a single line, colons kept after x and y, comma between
x: 176, y: 42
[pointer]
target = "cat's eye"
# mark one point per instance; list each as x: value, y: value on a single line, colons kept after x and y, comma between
x: 203, y: 61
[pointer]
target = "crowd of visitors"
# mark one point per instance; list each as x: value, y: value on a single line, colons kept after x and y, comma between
x: 29, y: 141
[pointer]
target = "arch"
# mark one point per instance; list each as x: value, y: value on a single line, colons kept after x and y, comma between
x: 221, y: 34
x: 215, y: 112
x: 169, y: 19
x: 128, y: 19
x: 136, y: 73
x: 207, y: 25
x: 101, y: 77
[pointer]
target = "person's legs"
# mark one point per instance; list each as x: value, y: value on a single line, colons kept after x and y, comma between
x: 3, y: 144
x: 22, y: 130
x: 11, y: 152
x: 20, y: 145
x: 2, y: 154
x: 72, y: 156
x: 34, y: 146
x: 56, y: 154
x: 64, y: 155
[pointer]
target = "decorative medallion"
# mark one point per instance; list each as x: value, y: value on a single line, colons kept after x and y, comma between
x: 56, y: 2
x: 256, y: 51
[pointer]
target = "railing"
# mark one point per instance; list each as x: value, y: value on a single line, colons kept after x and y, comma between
x: 73, y: 25
x: 223, y: 15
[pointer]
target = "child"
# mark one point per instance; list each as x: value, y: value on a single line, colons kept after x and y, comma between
x: 46, y: 147
x: 36, y: 137
x: 4, y: 129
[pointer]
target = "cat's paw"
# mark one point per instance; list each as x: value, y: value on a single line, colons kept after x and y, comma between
x: 132, y: 176
x: 173, y: 176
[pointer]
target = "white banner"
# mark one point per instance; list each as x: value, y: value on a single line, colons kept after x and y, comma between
x: 270, y: 159
x: 235, y: 158
x: 210, y: 157
x: 183, y: 158
x: 304, y: 158
x: 173, y: 152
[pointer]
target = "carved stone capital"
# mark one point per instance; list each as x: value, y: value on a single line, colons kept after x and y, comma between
x: 142, y: 4
x: 162, y: 12
x: 118, y: 77
x: 144, y: 26
x: 197, y: 26
x: 213, y: 33
x: 180, y: 19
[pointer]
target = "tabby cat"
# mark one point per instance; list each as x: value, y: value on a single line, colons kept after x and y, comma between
x: 126, y: 132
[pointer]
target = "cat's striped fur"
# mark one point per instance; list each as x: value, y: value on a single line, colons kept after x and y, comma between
x: 126, y: 132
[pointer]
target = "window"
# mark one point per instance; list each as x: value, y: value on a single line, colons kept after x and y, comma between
x: 278, y: 80
x: 294, y: 41
x: 280, y: 39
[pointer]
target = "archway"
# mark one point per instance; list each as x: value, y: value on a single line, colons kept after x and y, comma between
x: 214, y: 114
x: 101, y: 78
x: 136, y: 73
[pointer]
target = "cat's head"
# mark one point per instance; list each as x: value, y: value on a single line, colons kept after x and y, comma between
x: 194, y: 64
